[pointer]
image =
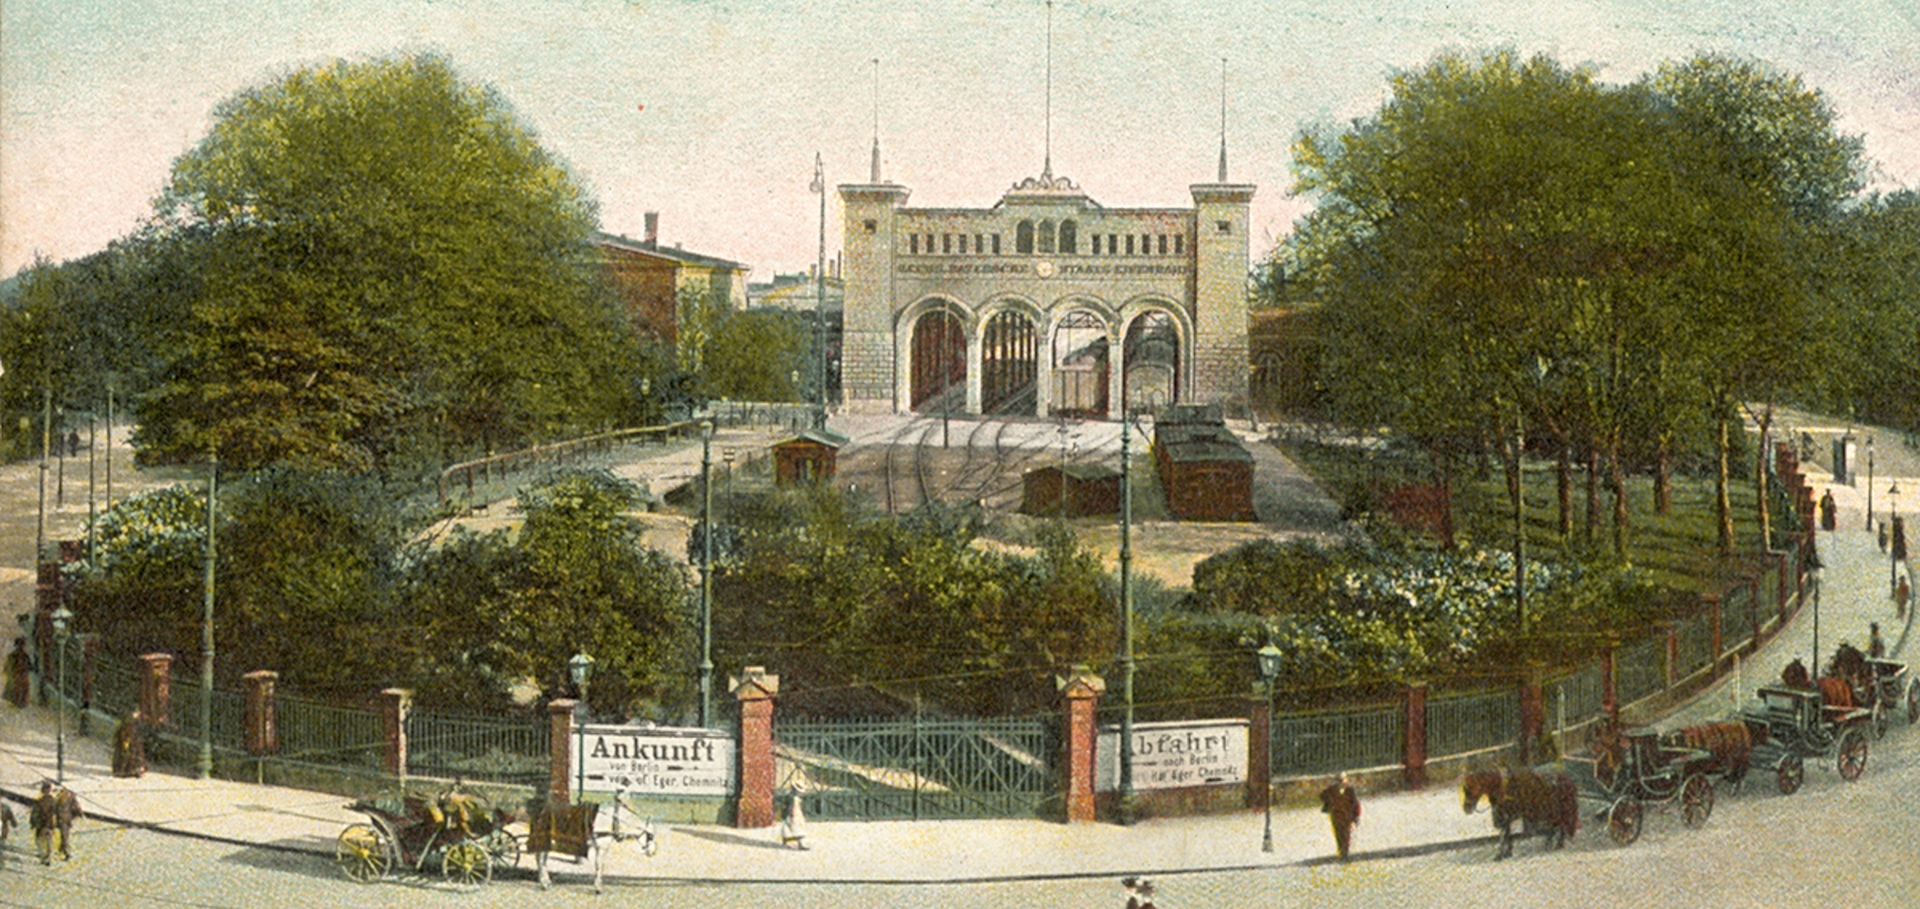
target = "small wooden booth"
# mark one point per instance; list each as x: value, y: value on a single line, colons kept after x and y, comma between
x: 808, y: 457
x: 1071, y: 490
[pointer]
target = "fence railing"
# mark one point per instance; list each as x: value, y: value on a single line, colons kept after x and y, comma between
x: 1312, y: 743
x: 316, y: 732
x: 478, y: 747
x: 1467, y: 723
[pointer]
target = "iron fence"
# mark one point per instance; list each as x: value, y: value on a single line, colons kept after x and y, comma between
x: 325, y: 733
x: 1736, y: 618
x: 1574, y: 698
x: 478, y: 747
x: 116, y: 688
x: 1306, y: 744
x: 1642, y: 668
x: 918, y: 767
x: 227, y: 715
x: 1474, y: 722
x: 1693, y: 644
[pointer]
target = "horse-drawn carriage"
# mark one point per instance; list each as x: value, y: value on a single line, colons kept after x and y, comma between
x: 458, y: 833
x: 1631, y: 769
x: 1890, y: 689
x: 1790, y: 725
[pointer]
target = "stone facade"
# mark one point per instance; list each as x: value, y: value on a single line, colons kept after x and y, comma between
x: 1064, y: 306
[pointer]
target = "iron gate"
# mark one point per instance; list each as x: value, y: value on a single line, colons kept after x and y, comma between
x: 910, y: 768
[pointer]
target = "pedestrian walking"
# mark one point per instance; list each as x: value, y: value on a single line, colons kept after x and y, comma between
x: 52, y: 820
x: 1139, y: 892
x: 130, y: 746
x: 19, y: 667
x: 1342, y: 807
x: 1902, y: 593
x: 1876, y: 647
x: 1883, y: 536
x: 1828, y: 519
x: 1899, y: 541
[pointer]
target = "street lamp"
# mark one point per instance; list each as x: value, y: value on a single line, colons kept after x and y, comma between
x: 726, y: 454
x: 819, y: 187
x: 1897, y: 549
x: 61, y: 617
x: 206, y: 625
x: 1269, y: 657
x: 706, y: 572
x: 1126, y: 623
x: 580, y: 670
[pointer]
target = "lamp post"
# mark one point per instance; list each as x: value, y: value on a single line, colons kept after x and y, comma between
x: 580, y: 670
x: 706, y: 572
x: 205, y: 768
x: 1126, y: 624
x: 61, y: 617
x: 819, y: 187
x: 1897, y: 548
x: 1269, y: 657
x: 726, y: 454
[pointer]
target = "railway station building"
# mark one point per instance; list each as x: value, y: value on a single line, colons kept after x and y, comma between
x: 1046, y: 304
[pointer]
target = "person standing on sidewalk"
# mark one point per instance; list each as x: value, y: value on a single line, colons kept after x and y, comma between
x: 1342, y: 807
x: 53, y: 814
x: 1876, y: 646
x: 19, y: 666
x: 130, y: 746
x: 1828, y: 519
x: 1902, y: 592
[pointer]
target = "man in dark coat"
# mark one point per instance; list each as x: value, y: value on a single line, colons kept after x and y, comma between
x: 19, y: 667
x: 53, y: 814
x: 130, y: 746
x: 1342, y: 807
x: 1828, y: 518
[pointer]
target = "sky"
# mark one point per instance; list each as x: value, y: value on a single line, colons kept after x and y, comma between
x: 711, y: 111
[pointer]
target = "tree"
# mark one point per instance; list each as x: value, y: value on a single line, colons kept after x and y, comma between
x: 383, y: 251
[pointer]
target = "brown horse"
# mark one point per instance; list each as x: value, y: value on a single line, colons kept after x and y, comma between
x: 1543, y: 802
x: 1729, y: 746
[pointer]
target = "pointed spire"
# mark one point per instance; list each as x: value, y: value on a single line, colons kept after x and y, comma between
x: 1046, y: 164
x: 875, y: 177
x: 1223, y: 120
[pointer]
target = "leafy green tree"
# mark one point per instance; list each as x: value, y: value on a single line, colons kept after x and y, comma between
x: 496, y: 610
x: 382, y: 250
x: 761, y: 355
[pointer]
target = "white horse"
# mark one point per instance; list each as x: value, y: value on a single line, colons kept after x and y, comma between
x: 572, y: 831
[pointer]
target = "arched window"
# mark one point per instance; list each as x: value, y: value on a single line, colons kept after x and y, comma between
x: 1068, y: 242
x: 1023, y: 237
x: 1046, y: 236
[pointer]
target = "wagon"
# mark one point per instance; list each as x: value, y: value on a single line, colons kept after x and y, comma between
x: 1791, y: 725
x: 1891, y: 690
x: 1632, y: 769
x: 412, y: 833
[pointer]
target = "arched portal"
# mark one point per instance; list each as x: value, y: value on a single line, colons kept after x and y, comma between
x: 1152, y: 358
x: 1008, y: 365
x: 1080, y: 368
x: 939, y: 362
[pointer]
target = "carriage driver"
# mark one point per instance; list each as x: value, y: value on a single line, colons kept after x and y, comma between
x: 459, y: 809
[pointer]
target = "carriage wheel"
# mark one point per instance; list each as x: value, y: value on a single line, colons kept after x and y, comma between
x: 1623, y: 821
x: 1880, y: 720
x: 1696, y: 801
x: 1913, y: 702
x: 363, y: 852
x: 1790, y: 774
x: 1853, y: 755
x: 503, y: 848
x: 467, y: 864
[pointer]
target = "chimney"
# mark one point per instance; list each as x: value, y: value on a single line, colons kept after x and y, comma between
x: 653, y: 228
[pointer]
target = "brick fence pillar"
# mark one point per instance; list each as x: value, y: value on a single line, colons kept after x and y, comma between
x: 156, y: 688
x: 1783, y: 571
x: 1533, y: 713
x: 755, y: 689
x: 1415, y: 759
x: 261, y: 736
x: 560, y: 751
x: 1080, y: 693
x: 395, y: 704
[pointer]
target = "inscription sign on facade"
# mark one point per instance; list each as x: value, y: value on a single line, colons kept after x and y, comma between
x: 1176, y: 755
x: 653, y: 759
x: 1041, y: 269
